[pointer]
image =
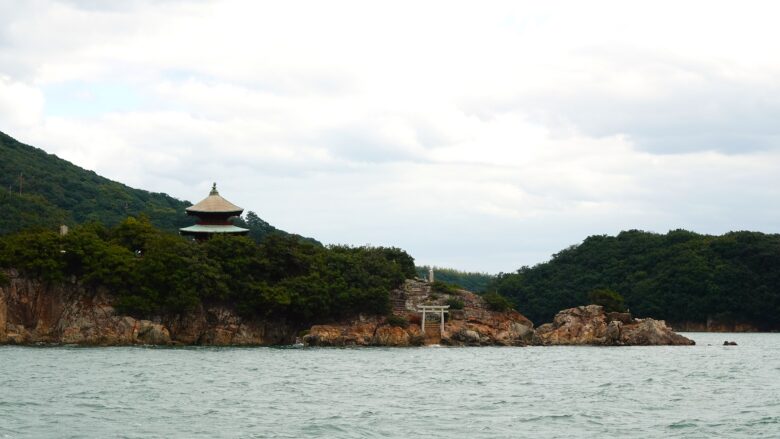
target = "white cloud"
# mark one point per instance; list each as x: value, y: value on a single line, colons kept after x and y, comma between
x: 481, y: 136
x: 20, y: 104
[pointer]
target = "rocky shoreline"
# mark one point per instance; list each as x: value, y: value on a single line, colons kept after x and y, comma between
x: 477, y: 325
x: 32, y: 312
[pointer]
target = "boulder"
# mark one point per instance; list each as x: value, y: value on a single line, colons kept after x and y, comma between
x: 590, y: 325
x: 152, y: 333
x: 391, y: 336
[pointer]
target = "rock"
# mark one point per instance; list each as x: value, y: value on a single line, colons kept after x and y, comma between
x: 622, y: 317
x: 358, y: 333
x: 584, y: 325
x: 614, y: 330
x: 34, y: 312
x: 468, y: 336
x: 391, y: 336
x: 152, y: 333
x: 729, y: 343
x: 652, y: 332
x: 589, y: 325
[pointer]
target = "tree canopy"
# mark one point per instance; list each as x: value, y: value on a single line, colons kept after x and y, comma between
x: 679, y: 276
x: 472, y: 281
x: 151, y: 272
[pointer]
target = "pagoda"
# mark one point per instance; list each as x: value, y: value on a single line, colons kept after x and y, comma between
x: 214, y: 213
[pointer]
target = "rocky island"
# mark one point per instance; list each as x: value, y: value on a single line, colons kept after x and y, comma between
x: 33, y: 312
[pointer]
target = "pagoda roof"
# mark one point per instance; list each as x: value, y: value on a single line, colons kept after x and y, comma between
x: 214, y: 203
x: 212, y: 228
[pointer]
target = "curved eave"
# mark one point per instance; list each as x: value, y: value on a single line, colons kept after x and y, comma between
x: 199, y: 229
x: 190, y: 211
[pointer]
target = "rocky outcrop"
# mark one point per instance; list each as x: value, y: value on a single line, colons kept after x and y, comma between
x: 590, y: 325
x: 473, y: 325
x: 33, y: 312
x: 369, y: 332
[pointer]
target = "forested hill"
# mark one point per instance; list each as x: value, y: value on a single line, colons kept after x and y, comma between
x: 680, y: 277
x: 55, y: 191
x: 472, y: 281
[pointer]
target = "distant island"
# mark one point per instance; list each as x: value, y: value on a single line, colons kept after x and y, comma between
x: 123, y: 255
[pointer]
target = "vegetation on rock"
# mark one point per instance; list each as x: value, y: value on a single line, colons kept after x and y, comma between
x: 398, y: 321
x: 443, y: 288
x: 679, y: 276
x: 497, y: 302
x: 612, y: 301
x: 151, y: 272
x: 455, y: 303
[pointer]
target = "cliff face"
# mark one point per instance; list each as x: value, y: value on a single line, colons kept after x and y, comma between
x: 32, y: 312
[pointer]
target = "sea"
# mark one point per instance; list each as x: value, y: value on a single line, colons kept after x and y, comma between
x: 703, y: 391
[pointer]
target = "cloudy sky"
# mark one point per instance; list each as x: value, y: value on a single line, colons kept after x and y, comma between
x: 481, y: 136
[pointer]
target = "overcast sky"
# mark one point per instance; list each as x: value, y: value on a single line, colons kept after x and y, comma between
x: 481, y: 136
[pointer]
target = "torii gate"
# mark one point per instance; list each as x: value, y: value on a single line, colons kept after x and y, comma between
x: 441, y: 309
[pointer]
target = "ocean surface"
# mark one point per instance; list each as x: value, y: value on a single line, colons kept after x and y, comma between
x: 704, y: 391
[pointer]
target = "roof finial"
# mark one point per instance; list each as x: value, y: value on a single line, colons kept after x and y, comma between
x: 214, y: 189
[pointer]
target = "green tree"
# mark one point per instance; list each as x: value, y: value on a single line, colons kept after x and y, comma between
x: 610, y: 300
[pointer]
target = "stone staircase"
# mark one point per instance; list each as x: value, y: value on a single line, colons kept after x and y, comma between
x: 398, y: 303
x: 432, y: 331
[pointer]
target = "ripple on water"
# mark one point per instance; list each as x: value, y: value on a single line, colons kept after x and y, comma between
x: 201, y: 392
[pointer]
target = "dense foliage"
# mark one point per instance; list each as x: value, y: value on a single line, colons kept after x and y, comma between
x: 444, y: 288
x: 612, y: 301
x: 679, y: 276
x: 55, y: 191
x: 476, y: 282
x: 152, y: 272
x: 497, y: 302
x: 455, y: 303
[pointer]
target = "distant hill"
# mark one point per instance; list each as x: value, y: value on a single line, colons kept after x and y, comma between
x: 680, y: 277
x: 55, y: 191
x: 477, y: 282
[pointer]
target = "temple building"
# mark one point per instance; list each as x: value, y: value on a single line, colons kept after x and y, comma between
x: 214, y: 213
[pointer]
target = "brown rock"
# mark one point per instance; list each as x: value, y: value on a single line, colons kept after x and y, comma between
x: 589, y: 325
x: 32, y: 312
x: 152, y: 333
x: 622, y: 317
x: 391, y: 336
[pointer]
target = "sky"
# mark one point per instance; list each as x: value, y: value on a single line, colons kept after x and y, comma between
x: 482, y: 136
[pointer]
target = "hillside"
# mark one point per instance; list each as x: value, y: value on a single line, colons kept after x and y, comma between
x: 472, y: 281
x: 55, y: 191
x: 680, y: 276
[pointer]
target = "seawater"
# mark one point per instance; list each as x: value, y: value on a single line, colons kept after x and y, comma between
x: 708, y: 390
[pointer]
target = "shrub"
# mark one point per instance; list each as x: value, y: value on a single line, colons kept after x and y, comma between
x: 444, y: 288
x: 398, y: 321
x: 497, y: 302
x: 612, y: 301
x: 455, y: 303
